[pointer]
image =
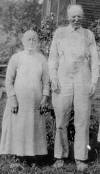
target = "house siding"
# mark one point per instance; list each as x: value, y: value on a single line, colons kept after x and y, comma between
x: 91, y: 8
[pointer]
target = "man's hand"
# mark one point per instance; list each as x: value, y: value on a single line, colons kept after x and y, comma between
x: 44, y: 105
x: 14, y: 104
x: 56, y: 85
x: 92, y: 90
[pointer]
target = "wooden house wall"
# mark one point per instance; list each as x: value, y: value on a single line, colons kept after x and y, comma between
x: 91, y: 8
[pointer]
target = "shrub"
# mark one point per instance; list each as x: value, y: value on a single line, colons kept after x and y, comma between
x: 48, y: 26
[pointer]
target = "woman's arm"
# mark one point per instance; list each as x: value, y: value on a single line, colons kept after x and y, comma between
x: 10, y: 80
x: 46, y: 86
x: 45, y: 78
x: 10, y: 76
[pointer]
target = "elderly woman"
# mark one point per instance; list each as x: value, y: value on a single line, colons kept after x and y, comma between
x: 27, y: 85
x: 73, y: 68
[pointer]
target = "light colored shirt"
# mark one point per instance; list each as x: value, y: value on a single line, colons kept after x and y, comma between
x: 70, y: 50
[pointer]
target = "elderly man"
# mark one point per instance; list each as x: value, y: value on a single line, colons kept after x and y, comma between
x: 73, y: 68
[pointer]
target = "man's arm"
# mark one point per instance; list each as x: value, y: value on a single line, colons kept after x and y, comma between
x: 94, y: 63
x: 94, y: 59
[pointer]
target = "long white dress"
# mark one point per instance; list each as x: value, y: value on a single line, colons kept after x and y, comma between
x: 24, y: 133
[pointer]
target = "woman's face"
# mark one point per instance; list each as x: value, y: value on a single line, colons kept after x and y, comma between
x: 30, y: 41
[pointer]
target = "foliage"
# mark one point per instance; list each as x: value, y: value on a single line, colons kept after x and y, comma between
x: 12, y: 165
x: 95, y: 27
x: 20, y: 17
x: 16, y: 19
x: 48, y: 26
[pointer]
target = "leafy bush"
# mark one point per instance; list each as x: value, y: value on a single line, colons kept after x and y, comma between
x: 48, y: 26
x: 95, y: 28
x: 19, y: 17
x: 16, y: 19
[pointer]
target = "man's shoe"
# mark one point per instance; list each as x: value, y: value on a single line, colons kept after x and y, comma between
x: 58, y: 164
x: 81, y: 166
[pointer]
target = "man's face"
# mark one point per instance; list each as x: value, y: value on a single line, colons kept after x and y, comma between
x: 75, y: 17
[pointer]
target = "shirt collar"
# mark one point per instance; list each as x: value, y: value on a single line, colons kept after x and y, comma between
x: 71, y: 29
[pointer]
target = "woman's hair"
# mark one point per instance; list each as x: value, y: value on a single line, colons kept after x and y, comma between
x: 29, y: 33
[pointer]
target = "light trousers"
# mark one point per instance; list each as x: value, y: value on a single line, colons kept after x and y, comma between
x: 74, y: 90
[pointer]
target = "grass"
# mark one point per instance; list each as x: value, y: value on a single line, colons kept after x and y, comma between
x: 11, y: 165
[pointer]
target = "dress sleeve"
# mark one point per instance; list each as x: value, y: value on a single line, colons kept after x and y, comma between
x: 11, y: 75
x: 53, y: 61
x: 94, y: 58
x: 45, y: 78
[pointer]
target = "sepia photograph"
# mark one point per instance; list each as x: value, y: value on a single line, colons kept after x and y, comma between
x: 49, y: 87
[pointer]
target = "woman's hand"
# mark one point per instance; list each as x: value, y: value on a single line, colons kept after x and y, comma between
x: 14, y: 104
x: 44, y: 105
